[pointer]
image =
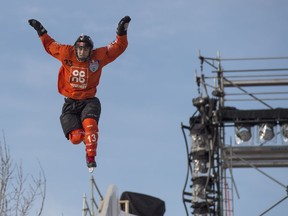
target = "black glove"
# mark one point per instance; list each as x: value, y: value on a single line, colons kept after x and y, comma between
x: 37, y: 26
x: 123, y: 26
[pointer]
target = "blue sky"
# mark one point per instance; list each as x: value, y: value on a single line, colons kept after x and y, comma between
x: 145, y: 94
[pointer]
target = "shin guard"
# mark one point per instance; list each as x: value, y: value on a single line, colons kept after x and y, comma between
x: 91, y: 136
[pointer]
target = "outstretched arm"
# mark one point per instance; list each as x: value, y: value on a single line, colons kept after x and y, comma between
x: 118, y: 46
x: 50, y: 45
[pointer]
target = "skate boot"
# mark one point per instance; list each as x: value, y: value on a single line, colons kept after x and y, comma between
x: 91, y: 163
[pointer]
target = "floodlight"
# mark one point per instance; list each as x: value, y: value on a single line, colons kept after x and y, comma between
x: 284, y: 131
x: 266, y: 131
x: 199, y: 138
x: 200, y: 101
x: 202, y: 209
x: 200, y: 161
x: 243, y: 133
x: 200, y: 186
x: 199, y: 142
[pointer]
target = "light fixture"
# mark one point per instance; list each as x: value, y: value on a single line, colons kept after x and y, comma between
x: 266, y: 131
x: 200, y: 161
x: 202, y: 208
x: 201, y: 186
x: 199, y: 138
x: 284, y: 131
x: 243, y: 133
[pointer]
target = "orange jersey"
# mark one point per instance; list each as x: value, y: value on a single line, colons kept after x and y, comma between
x: 79, y: 80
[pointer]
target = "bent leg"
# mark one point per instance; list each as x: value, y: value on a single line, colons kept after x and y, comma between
x: 71, y: 120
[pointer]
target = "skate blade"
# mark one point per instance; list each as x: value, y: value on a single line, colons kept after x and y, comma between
x: 90, y: 169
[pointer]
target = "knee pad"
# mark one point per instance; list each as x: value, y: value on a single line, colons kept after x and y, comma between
x: 90, y: 125
x: 76, y: 136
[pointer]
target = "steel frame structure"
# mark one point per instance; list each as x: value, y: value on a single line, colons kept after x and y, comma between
x: 214, y: 118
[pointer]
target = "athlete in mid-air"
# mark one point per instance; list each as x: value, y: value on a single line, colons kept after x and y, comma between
x: 78, y: 79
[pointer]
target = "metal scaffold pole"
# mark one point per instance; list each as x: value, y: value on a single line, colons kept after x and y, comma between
x: 91, y: 210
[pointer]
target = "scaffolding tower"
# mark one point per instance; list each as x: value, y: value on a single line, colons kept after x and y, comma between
x: 240, y: 122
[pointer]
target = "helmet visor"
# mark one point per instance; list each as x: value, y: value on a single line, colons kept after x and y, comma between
x: 82, y: 51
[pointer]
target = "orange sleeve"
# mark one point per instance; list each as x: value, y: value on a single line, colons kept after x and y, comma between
x: 115, y: 49
x: 52, y: 47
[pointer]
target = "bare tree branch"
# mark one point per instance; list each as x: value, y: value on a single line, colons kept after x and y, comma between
x: 18, y: 191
